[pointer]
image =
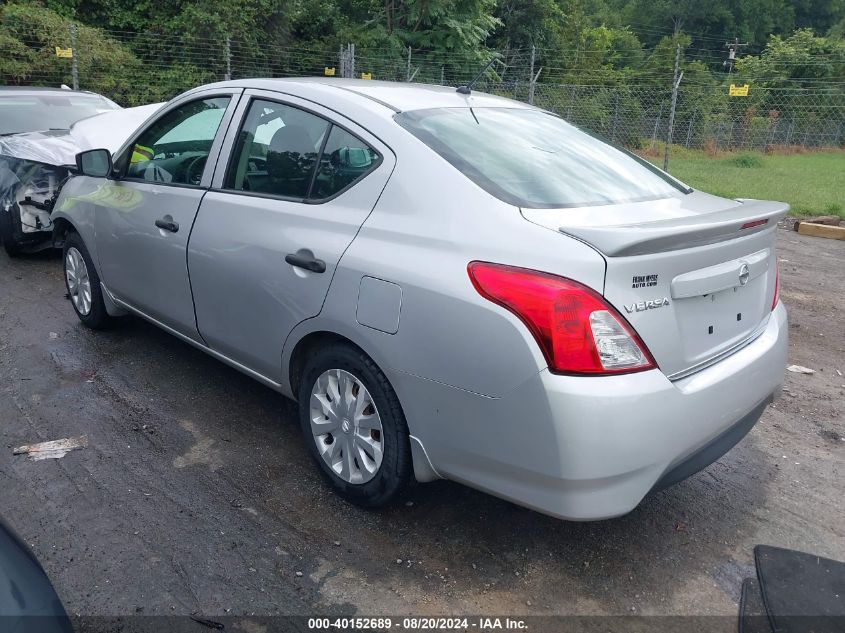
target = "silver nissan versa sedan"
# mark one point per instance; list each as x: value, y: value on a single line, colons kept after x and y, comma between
x: 451, y: 285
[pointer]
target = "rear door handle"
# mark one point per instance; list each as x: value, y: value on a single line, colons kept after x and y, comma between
x: 304, y: 258
x: 167, y: 225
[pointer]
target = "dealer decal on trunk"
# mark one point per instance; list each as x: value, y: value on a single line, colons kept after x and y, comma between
x: 643, y: 281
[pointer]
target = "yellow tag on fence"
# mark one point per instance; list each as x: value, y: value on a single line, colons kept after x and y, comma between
x: 366, y: 75
x: 738, y: 91
x: 64, y: 52
x: 328, y: 72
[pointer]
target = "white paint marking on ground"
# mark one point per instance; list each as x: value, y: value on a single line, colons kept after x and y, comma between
x: 53, y: 449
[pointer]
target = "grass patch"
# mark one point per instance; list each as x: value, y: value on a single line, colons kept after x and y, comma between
x: 812, y: 183
x: 745, y: 161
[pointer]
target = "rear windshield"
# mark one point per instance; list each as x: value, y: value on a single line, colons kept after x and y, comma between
x: 38, y: 113
x: 533, y: 159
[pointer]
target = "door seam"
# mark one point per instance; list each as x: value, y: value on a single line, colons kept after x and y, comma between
x: 225, y: 132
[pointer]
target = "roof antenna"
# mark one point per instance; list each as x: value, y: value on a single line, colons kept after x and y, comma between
x: 465, y: 90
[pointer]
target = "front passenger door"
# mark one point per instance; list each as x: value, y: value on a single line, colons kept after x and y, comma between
x: 144, y: 219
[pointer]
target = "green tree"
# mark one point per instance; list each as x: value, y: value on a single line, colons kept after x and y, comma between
x: 29, y: 36
x: 800, y: 60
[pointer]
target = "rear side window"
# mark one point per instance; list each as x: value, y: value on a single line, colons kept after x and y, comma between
x: 277, y: 150
x: 536, y: 160
x: 287, y: 152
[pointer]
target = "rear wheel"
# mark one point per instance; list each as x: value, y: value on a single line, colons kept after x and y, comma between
x: 83, y: 284
x: 354, y: 426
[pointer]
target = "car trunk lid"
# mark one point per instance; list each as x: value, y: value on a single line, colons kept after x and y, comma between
x: 693, y: 274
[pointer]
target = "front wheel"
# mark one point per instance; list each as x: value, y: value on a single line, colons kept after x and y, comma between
x: 354, y: 426
x: 83, y: 284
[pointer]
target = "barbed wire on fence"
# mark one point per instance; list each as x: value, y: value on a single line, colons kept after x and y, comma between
x: 135, y: 68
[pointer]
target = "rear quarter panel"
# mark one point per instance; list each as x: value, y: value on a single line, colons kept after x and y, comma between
x: 429, y: 223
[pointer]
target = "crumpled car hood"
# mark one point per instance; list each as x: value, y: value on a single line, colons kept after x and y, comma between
x: 51, y: 148
x: 35, y: 165
x: 108, y: 130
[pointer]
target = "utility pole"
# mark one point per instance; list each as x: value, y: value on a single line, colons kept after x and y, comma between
x: 676, y: 81
x: 74, y: 68
x: 531, y: 77
x: 408, y: 73
x: 347, y: 61
x: 732, y: 47
x: 228, y: 52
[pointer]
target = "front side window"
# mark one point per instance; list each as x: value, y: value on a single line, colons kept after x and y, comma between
x: 175, y: 148
x: 532, y: 159
x: 287, y: 152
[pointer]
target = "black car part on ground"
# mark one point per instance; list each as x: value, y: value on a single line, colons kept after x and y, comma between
x: 794, y: 592
x: 28, y: 602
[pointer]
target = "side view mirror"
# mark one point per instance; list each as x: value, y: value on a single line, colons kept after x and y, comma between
x: 354, y: 158
x: 94, y: 162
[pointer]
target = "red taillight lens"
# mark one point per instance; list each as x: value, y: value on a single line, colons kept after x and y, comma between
x: 777, y: 284
x: 577, y: 330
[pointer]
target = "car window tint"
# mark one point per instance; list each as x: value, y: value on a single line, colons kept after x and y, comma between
x: 345, y: 159
x: 175, y: 148
x: 533, y: 159
x: 276, y: 151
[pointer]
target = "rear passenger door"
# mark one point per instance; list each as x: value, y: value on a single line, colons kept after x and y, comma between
x: 294, y: 184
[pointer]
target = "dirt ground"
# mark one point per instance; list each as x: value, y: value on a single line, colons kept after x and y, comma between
x: 195, y: 493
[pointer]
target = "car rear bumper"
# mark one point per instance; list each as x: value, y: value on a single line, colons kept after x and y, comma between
x: 588, y: 448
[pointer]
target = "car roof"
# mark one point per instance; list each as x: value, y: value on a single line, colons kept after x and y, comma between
x: 394, y: 95
x: 40, y: 90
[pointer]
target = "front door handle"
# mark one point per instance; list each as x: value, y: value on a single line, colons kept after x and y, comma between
x: 166, y: 224
x: 304, y: 258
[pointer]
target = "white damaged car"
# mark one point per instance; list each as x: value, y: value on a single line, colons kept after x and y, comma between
x: 35, y: 165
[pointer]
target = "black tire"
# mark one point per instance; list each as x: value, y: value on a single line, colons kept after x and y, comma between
x: 395, y: 471
x: 12, y: 248
x: 97, y: 317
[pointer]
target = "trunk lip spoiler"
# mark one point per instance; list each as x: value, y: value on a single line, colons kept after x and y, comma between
x: 659, y: 236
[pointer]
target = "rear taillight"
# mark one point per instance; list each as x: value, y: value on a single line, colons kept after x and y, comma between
x: 577, y: 330
x: 777, y: 284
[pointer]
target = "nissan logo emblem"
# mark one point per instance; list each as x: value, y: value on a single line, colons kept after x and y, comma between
x: 744, y: 274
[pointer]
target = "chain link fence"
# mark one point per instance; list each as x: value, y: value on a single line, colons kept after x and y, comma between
x: 135, y: 68
x: 705, y: 117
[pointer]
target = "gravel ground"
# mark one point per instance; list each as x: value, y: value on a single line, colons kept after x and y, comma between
x: 195, y: 493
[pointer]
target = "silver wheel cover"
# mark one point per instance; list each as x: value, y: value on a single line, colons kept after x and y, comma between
x: 346, y: 426
x: 78, y: 282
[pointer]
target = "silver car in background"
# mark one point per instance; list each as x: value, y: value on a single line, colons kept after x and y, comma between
x: 451, y: 285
